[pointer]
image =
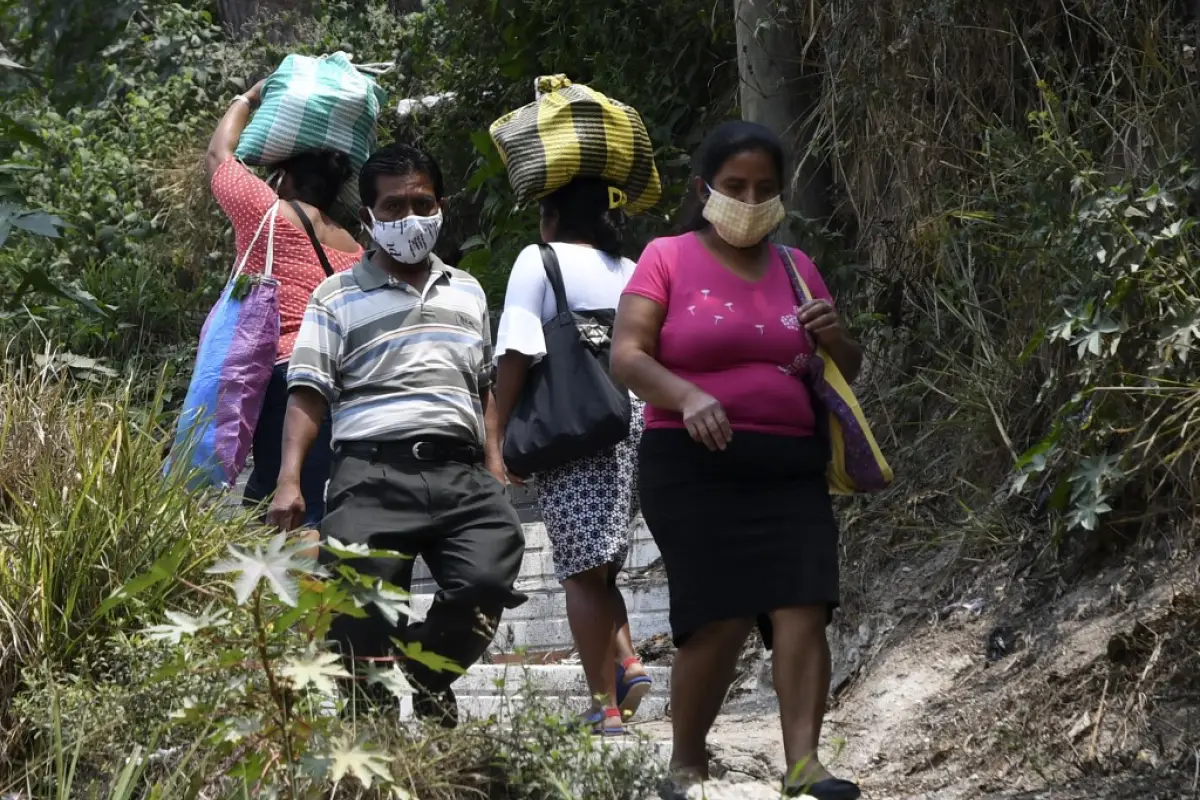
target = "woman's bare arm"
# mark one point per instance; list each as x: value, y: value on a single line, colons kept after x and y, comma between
x: 634, y: 355
x: 225, y: 138
x: 512, y: 369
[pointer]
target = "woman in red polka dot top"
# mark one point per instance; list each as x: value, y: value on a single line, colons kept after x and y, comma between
x: 312, y: 182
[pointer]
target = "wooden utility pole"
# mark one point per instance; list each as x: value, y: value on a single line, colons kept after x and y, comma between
x: 781, y: 93
x: 236, y: 13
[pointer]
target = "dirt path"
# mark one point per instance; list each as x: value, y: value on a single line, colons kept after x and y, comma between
x: 936, y: 713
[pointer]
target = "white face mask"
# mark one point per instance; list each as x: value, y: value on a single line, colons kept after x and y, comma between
x: 743, y: 224
x: 409, y: 240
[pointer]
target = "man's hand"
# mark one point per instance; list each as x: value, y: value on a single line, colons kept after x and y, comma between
x: 495, y: 465
x: 287, y: 508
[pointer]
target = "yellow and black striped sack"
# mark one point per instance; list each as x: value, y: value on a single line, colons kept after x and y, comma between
x: 570, y: 132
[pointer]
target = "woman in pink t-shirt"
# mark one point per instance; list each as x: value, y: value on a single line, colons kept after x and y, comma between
x: 711, y: 334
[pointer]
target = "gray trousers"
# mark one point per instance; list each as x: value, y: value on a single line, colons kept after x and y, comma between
x: 458, y: 518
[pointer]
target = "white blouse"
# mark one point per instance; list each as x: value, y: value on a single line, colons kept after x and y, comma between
x: 593, y: 280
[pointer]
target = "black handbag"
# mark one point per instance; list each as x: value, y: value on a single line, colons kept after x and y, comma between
x: 570, y: 406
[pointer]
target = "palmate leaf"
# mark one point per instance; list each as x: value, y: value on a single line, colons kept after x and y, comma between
x: 358, y: 550
x: 391, y: 678
x: 436, y: 662
x: 186, y: 625
x: 236, y: 729
x: 278, y: 565
x: 357, y: 760
x: 315, y: 669
x: 391, y: 601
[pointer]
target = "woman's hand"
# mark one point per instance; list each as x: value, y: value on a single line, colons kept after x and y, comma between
x: 254, y: 93
x: 515, y: 480
x: 822, y: 321
x: 705, y: 420
x: 224, y: 141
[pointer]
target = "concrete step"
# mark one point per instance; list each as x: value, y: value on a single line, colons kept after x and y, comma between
x: 541, y: 623
x: 496, y: 690
x: 503, y: 708
x: 537, y: 567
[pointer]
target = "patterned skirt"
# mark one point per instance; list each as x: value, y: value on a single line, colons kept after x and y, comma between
x: 589, y: 505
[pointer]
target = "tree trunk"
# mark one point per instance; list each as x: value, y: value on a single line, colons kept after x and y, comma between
x: 236, y: 13
x: 278, y: 16
x: 780, y: 93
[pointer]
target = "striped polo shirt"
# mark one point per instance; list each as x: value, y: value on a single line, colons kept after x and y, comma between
x: 393, y: 362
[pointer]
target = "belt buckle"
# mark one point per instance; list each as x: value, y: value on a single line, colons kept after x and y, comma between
x: 417, y: 449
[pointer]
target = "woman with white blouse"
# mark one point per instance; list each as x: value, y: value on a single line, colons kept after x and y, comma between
x: 588, y: 505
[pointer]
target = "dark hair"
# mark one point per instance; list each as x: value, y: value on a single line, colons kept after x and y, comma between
x: 723, y: 143
x: 583, y: 215
x: 317, y: 177
x: 397, y: 159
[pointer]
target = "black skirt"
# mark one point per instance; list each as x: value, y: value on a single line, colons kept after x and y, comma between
x: 742, y: 532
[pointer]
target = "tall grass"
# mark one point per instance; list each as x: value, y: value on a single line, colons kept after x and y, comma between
x: 84, y: 508
x: 1020, y: 180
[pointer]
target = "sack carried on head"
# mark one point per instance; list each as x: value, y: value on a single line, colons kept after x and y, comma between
x: 570, y: 132
x: 315, y: 104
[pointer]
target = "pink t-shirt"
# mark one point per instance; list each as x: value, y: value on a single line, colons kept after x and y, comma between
x: 738, y: 340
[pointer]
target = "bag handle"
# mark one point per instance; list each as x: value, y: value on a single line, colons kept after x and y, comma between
x: 240, y: 265
x: 803, y: 295
x: 554, y: 275
x: 312, y: 237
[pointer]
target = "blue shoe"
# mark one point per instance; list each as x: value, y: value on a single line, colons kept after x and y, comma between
x: 594, y: 719
x: 631, y: 693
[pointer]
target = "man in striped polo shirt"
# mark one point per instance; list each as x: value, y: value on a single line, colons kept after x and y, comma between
x: 400, y: 347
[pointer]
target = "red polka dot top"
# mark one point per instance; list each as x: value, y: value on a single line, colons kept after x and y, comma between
x: 246, y: 199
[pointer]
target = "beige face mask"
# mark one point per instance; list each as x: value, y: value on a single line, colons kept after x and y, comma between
x: 741, y: 224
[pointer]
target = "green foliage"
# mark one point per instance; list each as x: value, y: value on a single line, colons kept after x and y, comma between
x: 133, y: 280
x: 673, y: 61
x: 61, y: 41
x: 84, y: 508
x: 1022, y: 188
x: 251, y: 703
x: 1127, y: 308
x: 146, y: 247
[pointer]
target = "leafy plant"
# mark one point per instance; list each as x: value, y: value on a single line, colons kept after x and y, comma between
x: 261, y: 706
x: 83, y: 509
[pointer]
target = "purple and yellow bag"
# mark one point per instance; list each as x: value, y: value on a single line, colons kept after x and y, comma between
x: 239, y: 343
x: 857, y: 465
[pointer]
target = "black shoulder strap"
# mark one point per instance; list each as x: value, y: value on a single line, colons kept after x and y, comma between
x: 554, y: 274
x: 312, y: 237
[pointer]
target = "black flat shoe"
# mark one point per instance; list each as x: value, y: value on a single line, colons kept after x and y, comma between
x: 676, y: 787
x: 828, y: 789
x: 672, y: 790
x: 441, y: 708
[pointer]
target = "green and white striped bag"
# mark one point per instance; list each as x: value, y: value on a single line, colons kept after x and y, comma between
x: 311, y: 104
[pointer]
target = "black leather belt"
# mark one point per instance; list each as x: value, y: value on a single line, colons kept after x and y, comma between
x: 425, y: 450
